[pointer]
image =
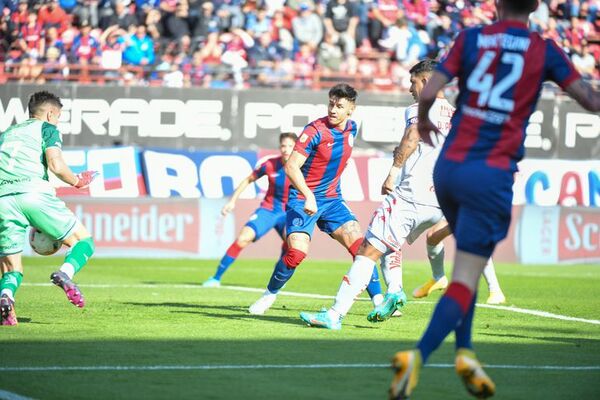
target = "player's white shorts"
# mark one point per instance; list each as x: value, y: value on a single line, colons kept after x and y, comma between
x: 397, y: 220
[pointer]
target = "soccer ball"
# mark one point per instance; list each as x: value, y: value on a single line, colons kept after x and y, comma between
x: 43, y: 244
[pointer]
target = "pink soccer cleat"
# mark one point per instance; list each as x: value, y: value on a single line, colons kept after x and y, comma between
x: 73, y: 293
x: 7, y: 311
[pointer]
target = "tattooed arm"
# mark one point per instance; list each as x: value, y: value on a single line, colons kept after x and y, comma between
x: 407, y: 146
x: 585, y: 95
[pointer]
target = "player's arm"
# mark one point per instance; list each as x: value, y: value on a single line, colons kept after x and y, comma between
x: 585, y: 95
x: 292, y: 170
x: 407, y: 146
x: 56, y: 163
x: 230, y: 205
x: 58, y: 166
x: 426, y: 99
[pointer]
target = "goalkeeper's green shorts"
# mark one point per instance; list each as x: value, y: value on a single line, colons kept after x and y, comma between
x: 45, y: 211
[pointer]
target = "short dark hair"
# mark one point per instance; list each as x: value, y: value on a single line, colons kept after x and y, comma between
x: 288, y: 135
x: 39, y: 99
x: 343, y: 91
x: 424, y: 66
x: 521, y: 6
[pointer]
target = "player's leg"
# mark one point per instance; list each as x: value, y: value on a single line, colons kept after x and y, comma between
x: 496, y: 296
x: 299, y: 227
x: 350, y: 236
x: 13, y: 225
x: 353, y: 284
x: 50, y: 215
x: 12, y: 276
x: 435, y: 254
x: 247, y: 235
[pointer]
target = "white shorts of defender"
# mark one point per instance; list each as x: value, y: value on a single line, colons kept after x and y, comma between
x: 397, y: 221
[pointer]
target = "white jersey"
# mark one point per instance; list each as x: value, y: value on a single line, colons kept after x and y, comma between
x: 415, y: 183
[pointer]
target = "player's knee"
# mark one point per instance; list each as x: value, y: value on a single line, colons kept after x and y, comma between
x: 293, y: 257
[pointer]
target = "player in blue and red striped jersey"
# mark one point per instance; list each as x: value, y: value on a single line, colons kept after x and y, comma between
x: 500, y: 70
x: 314, y: 168
x: 271, y: 212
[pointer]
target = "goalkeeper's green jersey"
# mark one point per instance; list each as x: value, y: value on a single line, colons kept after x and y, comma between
x: 23, y: 166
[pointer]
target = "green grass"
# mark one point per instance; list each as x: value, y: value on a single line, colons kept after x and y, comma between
x: 169, y: 324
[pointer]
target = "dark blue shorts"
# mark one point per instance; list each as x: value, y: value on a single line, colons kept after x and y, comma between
x: 263, y: 220
x: 331, y: 214
x: 477, y: 202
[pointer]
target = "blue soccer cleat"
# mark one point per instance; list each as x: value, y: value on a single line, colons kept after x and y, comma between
x: 321, y: 320
x: 392, y: 302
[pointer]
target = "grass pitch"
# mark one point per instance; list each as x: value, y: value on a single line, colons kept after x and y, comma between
x: 152, y: 314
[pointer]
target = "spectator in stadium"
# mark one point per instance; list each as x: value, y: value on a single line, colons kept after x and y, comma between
x: 155, y: 27
x: 20, y: 16
x: 583, y: 61
x: 31, y: 39
x: 229, y: 15
x: 51, y: 14
x: 235, y: 54
x: 86, y: 48
x: 307, y: 27
x: 404, y: 41
x: 53, y: 40
x: 87, y: 10
x: 206, y: 21
x: 112, y: 49
x: 385, y: 13
x: 54, y: 68
x: 258, y: 22
x: 341, y: 20
x: 329, y: 55
x: 122, y: 16
x: 139, y: 47
x: 10, y: 5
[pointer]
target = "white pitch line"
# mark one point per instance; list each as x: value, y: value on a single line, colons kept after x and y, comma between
x: 537, y: 313
x: 4, y: 395
x: 274, y: 366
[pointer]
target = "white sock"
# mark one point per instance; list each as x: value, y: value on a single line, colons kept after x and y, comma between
x: 489, y: 273
x: 353, y: 284
x: 377, y: 299
x: 391, y: 267
x: 8, y: 293
x: 436, y: 260
x: 68, y: 269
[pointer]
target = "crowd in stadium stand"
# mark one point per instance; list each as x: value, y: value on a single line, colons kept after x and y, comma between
x: 243, y: 43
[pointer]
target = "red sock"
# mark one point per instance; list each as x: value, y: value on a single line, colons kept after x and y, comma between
x: 234, y: 250
x: 353, y: 249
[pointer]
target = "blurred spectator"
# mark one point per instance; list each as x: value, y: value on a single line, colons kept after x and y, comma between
x: 539, y: 19
x: 417, y: 10
x: 19, y: 17
x: 112, y: 48
x: 122, y: 16
x: 235, y: 54
x: 87, y: 10
x: 10, y: 5
x: 68, y: 5
x: 307, y: 27
x: 86, y: 48
x: 31, y: 40
x: 330, y: 55
x: 139, y: 47
x: 258, y: 22
x: 206, y: 21
x: 341, y: 21
x: 229, y: 15
x: 385, y: 14
x: 51, y: 14
x: 584, y: 61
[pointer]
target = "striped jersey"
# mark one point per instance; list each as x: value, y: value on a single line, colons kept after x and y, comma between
x: 327, y: 151
x: 23, y: 166
x: 501, y: 68
x: 279, y: 184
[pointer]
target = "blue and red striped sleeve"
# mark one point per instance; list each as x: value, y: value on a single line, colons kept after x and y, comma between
x: 308, y: 140
x: 261, y: 170
x: 558, y: 67
x: 451, y: 64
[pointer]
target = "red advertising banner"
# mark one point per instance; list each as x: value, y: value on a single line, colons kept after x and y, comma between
x: 579, y: 235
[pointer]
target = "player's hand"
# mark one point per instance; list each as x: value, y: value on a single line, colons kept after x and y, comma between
x: 389, y: 185
x: 310, y: 205
x: 227, y: 208
x: 85, y: 178
x: 426, y: 127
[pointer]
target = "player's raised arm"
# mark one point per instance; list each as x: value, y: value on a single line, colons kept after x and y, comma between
x: 230, y: 205
x: 428, y: 95
x: 292, y: 170
x: 585, y: 95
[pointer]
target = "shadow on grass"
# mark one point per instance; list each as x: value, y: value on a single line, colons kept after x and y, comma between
x: 367, y: 382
